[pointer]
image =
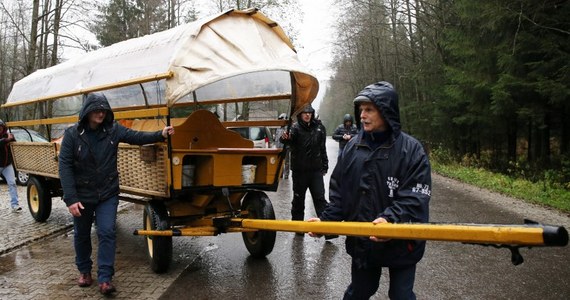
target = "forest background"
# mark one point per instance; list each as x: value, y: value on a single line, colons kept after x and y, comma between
x: 482, y: 84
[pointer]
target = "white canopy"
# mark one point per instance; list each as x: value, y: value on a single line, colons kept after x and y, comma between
x: 193, y: 55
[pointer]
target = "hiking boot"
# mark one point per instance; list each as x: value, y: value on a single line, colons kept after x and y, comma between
x: 107, y: 288
x: 85, y: 280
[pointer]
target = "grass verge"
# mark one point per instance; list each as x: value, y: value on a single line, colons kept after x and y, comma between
x: 539, y: 192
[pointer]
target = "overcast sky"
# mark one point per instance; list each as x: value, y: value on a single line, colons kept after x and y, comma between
x: 316, y: 37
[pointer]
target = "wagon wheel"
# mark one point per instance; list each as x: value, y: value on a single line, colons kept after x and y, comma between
x: 258, y: 243
x: 39, y: 199
x: 159, y: 248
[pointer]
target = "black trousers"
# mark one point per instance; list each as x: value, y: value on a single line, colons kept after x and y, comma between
x: 315, y: 183
x: 365, y: 283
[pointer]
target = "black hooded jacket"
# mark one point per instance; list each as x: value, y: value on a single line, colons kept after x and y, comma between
x: 308, y: 146
x: 392, y: 181
x: 340, y: 131
x: 88, y: 171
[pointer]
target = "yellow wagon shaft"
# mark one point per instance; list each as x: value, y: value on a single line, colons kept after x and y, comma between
x: 527, y: 235
x: 521, y: 235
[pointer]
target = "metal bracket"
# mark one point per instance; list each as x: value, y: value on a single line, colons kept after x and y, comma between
x: 226, y: 193
x: 222, y: 224
x: 516, y: 256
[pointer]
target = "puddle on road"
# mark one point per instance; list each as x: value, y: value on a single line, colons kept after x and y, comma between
x: 6, y: 264
x: 11, y: 261
x: 22, y: 256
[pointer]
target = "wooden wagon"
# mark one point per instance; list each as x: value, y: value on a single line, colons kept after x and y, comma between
x: 234, y: 69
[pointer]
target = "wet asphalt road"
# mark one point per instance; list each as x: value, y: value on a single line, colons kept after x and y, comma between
x: 299, y: 267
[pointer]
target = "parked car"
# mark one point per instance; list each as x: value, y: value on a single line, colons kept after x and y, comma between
x: 260, y: 135
x: 25, y: 135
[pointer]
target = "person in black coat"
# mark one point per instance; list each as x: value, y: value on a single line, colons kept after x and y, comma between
x: 344, y: 132
x: 90, y: 182
x: 309, y: 162
x: 383, y: 175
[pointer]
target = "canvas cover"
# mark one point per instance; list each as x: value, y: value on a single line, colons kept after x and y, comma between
x: 195, y: 54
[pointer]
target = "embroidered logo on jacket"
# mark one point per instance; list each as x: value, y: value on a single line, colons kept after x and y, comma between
x: 392, y: 183
x: 422, y: 189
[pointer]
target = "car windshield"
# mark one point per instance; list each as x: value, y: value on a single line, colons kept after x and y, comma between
x: 252, y: 133
x: 256, y: 133
x: 22, y: 135
x: 242, y: 131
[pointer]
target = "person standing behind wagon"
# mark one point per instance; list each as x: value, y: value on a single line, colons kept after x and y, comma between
x: 344, y: 132
x: 278, y: 144
x: 90, y: 182
x: 309, y: 162
x: 383, y: 175
x: 6, y: 167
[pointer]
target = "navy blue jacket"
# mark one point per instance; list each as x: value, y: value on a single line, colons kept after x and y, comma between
x: 392, y: 181
x: 84, y: 178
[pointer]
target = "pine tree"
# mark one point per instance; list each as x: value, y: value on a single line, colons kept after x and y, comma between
x: 120, y: 20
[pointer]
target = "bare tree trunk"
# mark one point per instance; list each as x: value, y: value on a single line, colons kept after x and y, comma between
x: 411, y: 32
x: 56, y: 21
x: 44, y: 35
x: 14, y: 61
x: 545, y: 150
x: 420, y: 15
x: 30, y: 67
x: 512, y: 133
x: 172, y: 14
x: 393, y: 27
x: 530, y: 141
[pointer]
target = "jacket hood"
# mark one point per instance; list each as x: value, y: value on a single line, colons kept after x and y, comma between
x: 310, y: 109
x: 385, y: 98
x: 95, y: 101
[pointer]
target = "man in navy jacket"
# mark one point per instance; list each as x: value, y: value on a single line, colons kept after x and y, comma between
x: 90, y: 182
x: 383, y: 175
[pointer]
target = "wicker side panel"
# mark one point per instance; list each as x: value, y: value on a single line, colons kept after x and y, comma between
x: 143, y: 177
x: 36, y: 158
